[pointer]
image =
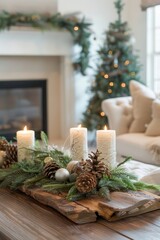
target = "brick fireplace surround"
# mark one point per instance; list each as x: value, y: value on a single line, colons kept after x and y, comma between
x: 26, y: 53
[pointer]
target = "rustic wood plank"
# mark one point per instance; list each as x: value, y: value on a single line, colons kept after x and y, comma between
x: 21, y: 217
x: 122, y: 205
x: 77, y: 213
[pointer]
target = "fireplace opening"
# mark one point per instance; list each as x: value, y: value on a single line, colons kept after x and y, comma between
x: 22, y: 103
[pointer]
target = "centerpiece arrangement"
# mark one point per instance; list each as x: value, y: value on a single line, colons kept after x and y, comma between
x: 51, y: 170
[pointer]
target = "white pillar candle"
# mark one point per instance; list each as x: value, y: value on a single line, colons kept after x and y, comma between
x: 106, y: 144
x: 78, y: 143
x: 25, y: 141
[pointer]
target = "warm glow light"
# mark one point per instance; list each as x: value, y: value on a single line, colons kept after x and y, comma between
x: 76, y: 28
x: 110, y: 52
x: 106, y: 76
x: 105, y: 127
x: 79, y: 126
x: 111, y: 84
x: 115, y: 65
x: 25, y: 128
x: 109, y: 90
x: 126, y: 62
x: 123, y: 85
x: 102, y: 114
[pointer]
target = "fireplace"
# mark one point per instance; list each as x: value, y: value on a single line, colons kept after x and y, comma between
x: 32, y: 54
x: 22, y: 103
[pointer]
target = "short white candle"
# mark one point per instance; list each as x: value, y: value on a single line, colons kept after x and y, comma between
x: 25, y: 141
x: 78, y: 143
x: 106, y: 144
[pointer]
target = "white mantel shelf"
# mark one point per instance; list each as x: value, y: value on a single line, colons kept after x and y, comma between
x: 20, y: 41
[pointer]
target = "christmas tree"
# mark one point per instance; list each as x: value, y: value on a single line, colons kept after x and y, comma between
x: 118, y: 65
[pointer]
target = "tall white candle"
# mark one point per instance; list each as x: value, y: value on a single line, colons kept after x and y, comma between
x: 106, y: 144
x: 78, y: 143
x: 25, y: 141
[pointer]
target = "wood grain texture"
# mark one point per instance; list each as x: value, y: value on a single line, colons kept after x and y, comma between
x: 141, y: 227
x: 122, y: 205
x: 23, y: 218
x: 71, y: 210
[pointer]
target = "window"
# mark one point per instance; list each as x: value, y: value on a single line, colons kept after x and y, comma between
x: 153, y: 48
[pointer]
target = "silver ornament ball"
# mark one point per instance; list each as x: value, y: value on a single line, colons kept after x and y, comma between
x: 62, y: 175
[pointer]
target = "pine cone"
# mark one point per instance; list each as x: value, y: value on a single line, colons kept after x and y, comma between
x: 11, y: 152
x: 11, y: 155
x: 86, y: 182
x: 3, y: 143
x: 99, y: 167
x: 49, y: 169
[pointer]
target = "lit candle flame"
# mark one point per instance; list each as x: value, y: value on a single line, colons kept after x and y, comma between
x: 25, y: 128
x: 79, y: 126
x: 105, y: 127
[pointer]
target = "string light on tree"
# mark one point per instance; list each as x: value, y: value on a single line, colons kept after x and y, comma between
x: 111, y: 84
x: 110, y: 52
x: 76, y: 28
x: 127, y: 62
x: 115, y: 63
x: 102, y: 114
x: 106, y: 76
x: 123, y: 85
x: 109, y: 91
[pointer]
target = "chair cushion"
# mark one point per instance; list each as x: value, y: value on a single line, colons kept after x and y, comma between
x: 142, y: 106
x: 153, y: 128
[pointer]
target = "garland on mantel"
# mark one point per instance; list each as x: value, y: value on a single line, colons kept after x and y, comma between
x: 79, y: 29
x: 53, y: 171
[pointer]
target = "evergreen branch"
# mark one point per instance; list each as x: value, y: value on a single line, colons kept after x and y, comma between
x: 7, y: 182
x: 32, y: 181
x: 125, y: 160
x: 20, y: 179
x: 145, y: 186
x: 55, y: 186
x: 122, y: 172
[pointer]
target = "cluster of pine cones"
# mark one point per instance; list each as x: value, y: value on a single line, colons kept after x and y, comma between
x: 85, y: 173
x: 89, y: 172
x: 10, y: 153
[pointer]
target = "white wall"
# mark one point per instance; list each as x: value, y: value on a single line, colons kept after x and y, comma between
x: 137, y: 22
x: 29, y: 6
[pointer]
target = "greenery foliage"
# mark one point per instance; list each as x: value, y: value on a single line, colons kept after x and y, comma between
x: 79, y: 29
x: 29, y: 173
x: 118, y: 64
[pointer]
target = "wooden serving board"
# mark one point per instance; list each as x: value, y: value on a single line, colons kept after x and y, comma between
x: 121, y: 205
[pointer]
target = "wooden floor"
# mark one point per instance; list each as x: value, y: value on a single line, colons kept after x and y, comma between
x: 22, y: 218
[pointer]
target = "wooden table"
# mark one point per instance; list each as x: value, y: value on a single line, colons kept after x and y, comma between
x: 23, y: 218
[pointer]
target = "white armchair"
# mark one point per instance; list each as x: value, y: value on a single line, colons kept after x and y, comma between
x: 138, y: 145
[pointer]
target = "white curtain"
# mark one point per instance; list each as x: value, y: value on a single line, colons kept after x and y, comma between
x: 149, y: 3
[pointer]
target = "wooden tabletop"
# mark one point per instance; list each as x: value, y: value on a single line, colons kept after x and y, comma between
x: 23, y: 218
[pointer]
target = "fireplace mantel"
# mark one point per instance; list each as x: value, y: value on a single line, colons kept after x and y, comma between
x: 26, y: 41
